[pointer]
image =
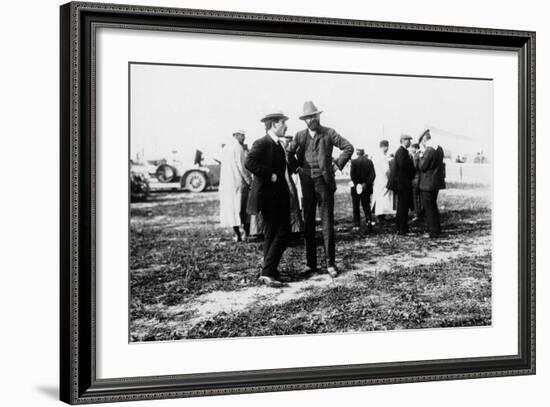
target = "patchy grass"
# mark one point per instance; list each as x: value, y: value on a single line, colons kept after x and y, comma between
x: 446, y: 294
x: 178, y: 253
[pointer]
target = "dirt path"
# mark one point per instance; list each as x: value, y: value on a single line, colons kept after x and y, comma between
x: 184, y: 316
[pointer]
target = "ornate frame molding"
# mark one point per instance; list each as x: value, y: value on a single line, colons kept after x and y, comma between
x: 77, y: 174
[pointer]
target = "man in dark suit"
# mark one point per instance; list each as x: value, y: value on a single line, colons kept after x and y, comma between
x: 310, y: 154
x: 269, y: 194
x: 401, y: 182
x: 362, y: 176
x: 432, y: 179
x: 417, y: 201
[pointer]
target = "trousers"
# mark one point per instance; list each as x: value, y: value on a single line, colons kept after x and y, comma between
x: 364, y: 200
x: 276, y: 224
x: 316, y: 192
x: 404, y: 201
x: 433, y: 219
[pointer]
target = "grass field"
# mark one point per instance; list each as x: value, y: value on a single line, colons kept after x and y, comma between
x: 188, y: 279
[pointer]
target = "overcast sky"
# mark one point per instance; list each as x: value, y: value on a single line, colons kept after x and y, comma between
x: 186, y: 108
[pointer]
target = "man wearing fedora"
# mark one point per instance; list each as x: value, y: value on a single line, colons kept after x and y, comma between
x: 401, y: 182
x: 269, y: 194
x: 310, y: 154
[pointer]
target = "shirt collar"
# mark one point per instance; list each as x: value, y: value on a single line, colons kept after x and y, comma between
x: 274, y: 138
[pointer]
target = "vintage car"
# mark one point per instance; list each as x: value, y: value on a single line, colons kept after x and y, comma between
x: 203, y: 173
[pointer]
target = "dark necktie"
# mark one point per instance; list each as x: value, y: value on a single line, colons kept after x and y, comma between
x: 280, y: 146
x: 316, y: 140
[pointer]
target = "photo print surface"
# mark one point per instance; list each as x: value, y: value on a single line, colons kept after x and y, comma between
x: 281, y: 202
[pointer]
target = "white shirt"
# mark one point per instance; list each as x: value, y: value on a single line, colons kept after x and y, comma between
x: 273, y: 137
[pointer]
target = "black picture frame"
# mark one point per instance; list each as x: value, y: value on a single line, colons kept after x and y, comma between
x: 78, y: 382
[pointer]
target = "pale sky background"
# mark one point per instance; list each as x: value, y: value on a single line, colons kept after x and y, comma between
x: 186, y: 108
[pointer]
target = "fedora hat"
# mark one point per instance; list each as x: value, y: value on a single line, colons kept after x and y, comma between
x: 309, y: 110
x: 275, y: 114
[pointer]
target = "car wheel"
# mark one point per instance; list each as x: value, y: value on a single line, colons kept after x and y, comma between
x: 140, y: 191
x: 165, y: 173
x: 195, y: 181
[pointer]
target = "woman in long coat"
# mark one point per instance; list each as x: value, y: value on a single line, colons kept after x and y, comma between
x: 382, y: 197
x: 233, y: 179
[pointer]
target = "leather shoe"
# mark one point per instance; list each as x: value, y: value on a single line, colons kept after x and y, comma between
x: 270, y: 282
x: 307, y: 272
x: 332, y: 271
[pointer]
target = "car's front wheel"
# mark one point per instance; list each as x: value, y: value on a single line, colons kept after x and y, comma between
x: 195, y: 181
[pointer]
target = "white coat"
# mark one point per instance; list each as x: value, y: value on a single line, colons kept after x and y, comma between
x: 233, y: 178
x: 382, y: 198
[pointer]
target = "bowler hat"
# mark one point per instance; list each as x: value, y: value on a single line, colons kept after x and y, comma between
x: 276, y: 115
x: 309, y: 110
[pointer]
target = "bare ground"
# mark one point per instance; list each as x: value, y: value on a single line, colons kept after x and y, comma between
x: 191, y: 281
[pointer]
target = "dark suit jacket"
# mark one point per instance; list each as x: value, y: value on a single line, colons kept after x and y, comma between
x: 362, y: 172
x: 264, y: 159
x: 432, y: 170
x: 329, y: 139
x: 402, y: 171
x: 416, y: 163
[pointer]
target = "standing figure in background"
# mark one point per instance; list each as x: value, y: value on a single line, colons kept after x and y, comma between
x: 233, y: 180
x: 401, y: 182
x: 362, y: 176
x: 269, y: 194
x: 382, y: 197
x: 432, y: 179
x: 245, y: 217
x: 310, y: 154
x: 296, y: 221
x: 417, y: 207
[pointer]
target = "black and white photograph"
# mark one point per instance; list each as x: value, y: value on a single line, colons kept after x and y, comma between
x: 293, y: 203
x: 269, y: 202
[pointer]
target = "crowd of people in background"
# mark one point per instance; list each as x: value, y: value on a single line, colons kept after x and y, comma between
x: 397, y: 184
x: 283, y: 183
